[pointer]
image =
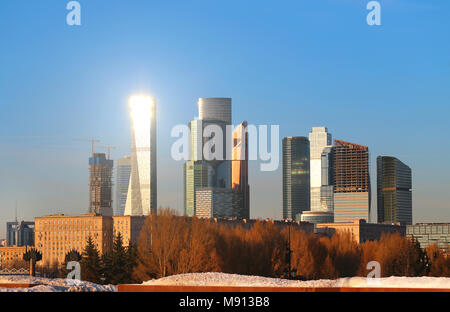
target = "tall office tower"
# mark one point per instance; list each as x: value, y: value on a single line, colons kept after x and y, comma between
x: 319, y: 138
x: 142, y: 197
x: 394, y: 196
x: 239, y: 172
x: 295, y: 177
x: 195, y: 176
x: 352, y: 193
x: 123, y: 172
x: 20, y: 233
x: 327, y: 188
x: 202, y: 170
x: 100, y: 185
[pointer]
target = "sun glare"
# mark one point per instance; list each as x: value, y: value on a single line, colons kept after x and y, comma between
x: 141, y: 105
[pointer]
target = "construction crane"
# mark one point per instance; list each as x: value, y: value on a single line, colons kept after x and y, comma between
x: 109, y: 147
x: 93, y: 141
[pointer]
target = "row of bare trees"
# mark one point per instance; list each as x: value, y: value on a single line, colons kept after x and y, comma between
x: 170, y: 244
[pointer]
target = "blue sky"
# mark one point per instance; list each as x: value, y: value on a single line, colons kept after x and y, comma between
x: 294, y: 63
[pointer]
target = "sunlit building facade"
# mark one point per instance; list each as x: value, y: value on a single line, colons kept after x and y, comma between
x: 142, y: 196
x: 296, y: 190
x: 319, y: 138
x: 352, y: 194
x: 394, y: 196
x: 56, y: 235
x: 239, y: 172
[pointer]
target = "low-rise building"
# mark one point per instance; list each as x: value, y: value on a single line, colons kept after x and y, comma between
x: 431, y: 233
x: 55, y: 235
x: 360, y: 230
x: 11, y: 256
x: 281, y: 224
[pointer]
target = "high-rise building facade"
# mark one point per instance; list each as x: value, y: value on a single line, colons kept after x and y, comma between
x: 20, y: 233
x: 394, y: 196
x: 211, y: 168
x: 214, y: 202
x: 239, y: 170
x: 319, y: 138
x: 215, y: 109
x: 195, y: 176
x: 351, y: 180
x: 142, y: 196
x: 123, y: 172
x: 100, y: 184
x: 327, y: 188
x: 296, y: 180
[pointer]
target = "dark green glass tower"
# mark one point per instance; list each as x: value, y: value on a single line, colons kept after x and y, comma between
x: 296, y: 184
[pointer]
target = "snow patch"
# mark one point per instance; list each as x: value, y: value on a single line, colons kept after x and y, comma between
x: 52, y: 285
x: 223, y: 279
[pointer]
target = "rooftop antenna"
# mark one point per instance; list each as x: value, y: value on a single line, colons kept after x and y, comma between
x: 15, y: 212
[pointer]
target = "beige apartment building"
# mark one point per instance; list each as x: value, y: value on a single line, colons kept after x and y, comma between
x: 11, y: 255
x: 129, y: 227
x: 55, y: 235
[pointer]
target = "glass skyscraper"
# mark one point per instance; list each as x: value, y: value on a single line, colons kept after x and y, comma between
x: 201, y: 171
x: 296, y: 179
x: 394, y: 196
x: 319, y: 138
x: 239, y: 171
x: 123, y: 172
x: 195, y: 176
x: 142, y: 197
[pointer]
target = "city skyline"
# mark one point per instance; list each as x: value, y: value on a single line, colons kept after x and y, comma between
x: 66, y: 94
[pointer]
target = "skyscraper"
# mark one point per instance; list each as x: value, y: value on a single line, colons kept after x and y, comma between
x: 203, y: 171
x: 327, y: 188
x: 239, y: 172
x: 195, y: 176
x: 100, y: 184
x: 20, y: 233
x: 319, y: 138
x: 296, y: 180
x: 142, y: 197
x: 394, y: 196
x: 351, y: 178
x: 123, y: 172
